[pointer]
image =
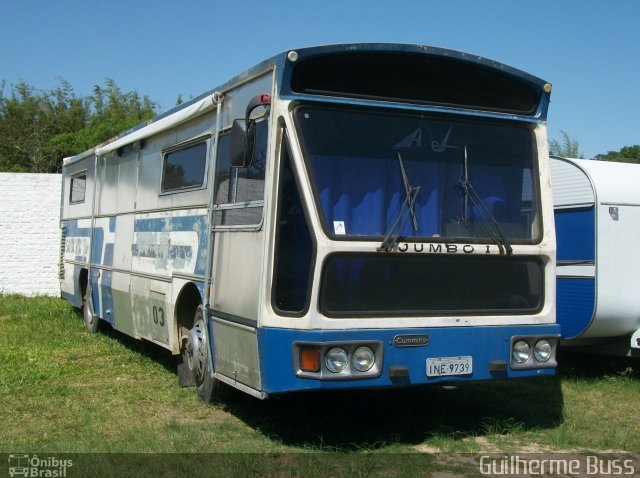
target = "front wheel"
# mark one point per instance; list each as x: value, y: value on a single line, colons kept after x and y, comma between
x: 196, y: 356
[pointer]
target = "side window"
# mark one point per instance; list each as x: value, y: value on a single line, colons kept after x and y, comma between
x: 78, y: 188
x: 294, y: 245
x: 239, y: 192
x: 184, y: 168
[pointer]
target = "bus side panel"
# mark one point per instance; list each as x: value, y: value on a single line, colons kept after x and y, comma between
x: 170, y: 242
x: 75, y: 257
x: 484, y: 344
x: 163, y: 243
x: 81, y: 208
x: 75, y: 219
x: 235, y: 297
x: 149, y: 195
x: 120, y: 281
x: 152, y: 319
x: 123, y: 320
x: 69, y: 284
x: 102, y: 256
x: 108, y: 186
x: 236, y: 273
x: 236, y: 352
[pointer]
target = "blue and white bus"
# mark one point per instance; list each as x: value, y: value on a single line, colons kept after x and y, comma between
x: 348, y: 216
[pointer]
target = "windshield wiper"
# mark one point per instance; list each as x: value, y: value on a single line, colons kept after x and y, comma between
x: 489, y: 221
x: 411, y: 194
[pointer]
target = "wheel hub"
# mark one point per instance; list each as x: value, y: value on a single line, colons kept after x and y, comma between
x: 88, y: 316
x: 197, y: 351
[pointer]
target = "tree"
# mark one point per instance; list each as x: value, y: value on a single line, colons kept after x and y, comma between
x: 111, y: 113
x: 628, y: 154
x: 29, y: 118
x: 569, y: 148
x: 39, y: 128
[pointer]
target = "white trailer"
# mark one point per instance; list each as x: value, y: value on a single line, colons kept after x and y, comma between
x: 597, y: 212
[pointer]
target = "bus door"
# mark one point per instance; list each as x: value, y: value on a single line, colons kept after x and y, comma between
x: 237, y: 255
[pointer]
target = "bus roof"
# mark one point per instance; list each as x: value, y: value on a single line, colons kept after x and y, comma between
x: 206, y: 101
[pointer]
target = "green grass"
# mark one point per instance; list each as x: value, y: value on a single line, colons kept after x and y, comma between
x: 63, y: 390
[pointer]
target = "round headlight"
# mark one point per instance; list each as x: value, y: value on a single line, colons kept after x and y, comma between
x: 363, y: 359
x: 542, y: 350
x: 336, y: 359
x: 521, y: 351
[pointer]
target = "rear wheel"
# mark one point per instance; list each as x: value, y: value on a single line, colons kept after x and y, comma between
x: 90, y: 320
x: 196, y: 356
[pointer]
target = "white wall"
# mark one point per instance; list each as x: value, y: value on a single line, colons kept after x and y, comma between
x: 29, y: 233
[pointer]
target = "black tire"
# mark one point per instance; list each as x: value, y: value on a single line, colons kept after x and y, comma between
x: 196, y: 356
x: 91, y: 322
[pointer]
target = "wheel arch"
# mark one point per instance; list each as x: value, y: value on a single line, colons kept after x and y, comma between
x: 83, y: 283
x: 186, y: 305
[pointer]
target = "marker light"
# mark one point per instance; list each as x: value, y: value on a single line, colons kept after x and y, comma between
x: 363, y: 359
x: 336, y: 360
x: 542, y: 350
x: 521, y: 351
x: 309, y: 359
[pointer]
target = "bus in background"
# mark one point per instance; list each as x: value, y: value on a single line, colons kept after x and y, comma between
x: 597, y: 211
x: 348, y: 216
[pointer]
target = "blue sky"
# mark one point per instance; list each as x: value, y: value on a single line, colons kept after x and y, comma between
x: 589, y: 50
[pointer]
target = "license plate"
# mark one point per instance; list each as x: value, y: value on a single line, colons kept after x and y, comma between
x: 444, y: 366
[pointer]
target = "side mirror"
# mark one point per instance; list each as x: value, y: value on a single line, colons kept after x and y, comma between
x: 237, y: 155
x: 243, y: 135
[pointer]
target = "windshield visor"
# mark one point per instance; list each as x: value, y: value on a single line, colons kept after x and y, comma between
x: 373, y: 172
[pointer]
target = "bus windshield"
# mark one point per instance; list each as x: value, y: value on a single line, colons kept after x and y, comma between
x: 418, y: 177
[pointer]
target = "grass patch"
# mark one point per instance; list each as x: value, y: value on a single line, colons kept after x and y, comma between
x: 63, y: 390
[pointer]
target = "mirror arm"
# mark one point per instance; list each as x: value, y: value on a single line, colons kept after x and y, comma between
x: 256, y: 101
x: 259, y: 100
x: 243, y: 134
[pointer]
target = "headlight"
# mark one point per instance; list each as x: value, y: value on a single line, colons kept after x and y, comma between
x: 521, y: 351
x: 336, y: 359
x: 542, y: 350
x: 363, y: 359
